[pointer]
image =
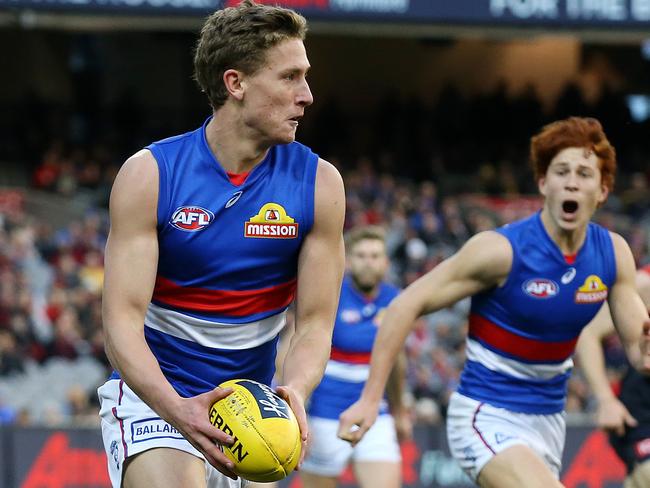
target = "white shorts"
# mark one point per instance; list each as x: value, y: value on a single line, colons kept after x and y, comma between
x: 477, y: 432
x: 327, y: 455
x: 130, y: 427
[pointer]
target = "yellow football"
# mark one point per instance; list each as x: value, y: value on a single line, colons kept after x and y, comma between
x: 267, y: 437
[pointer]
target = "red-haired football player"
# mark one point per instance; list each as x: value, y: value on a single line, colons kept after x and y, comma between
x: 535, y: 284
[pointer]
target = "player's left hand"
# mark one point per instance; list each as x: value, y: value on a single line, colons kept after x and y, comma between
x: 297, y: 404
x: 644, y: 366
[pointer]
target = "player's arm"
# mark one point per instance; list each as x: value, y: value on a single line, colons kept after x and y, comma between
x: 643, y: 285
x: 611, y: 413
x: 320, y: 271
x: 484, y: 261
x: 628, y: 310
x: 395, y: 390
x: 131, y: 261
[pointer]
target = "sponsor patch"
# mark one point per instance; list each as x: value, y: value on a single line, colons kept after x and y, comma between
x: 115, y: 453
x: 540, y: 288
x: 568, y: 276
x: 234, y: 198
x: 593, y: 290
x: 350, y: 316
x: 191, y: 218
x: 500, y: 437
x: 271, y: 222
x: 153, y: 428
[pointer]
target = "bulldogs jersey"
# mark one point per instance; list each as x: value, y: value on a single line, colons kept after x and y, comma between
x: 354, y: 334
x: 522, y: 335
x: 228, y: 260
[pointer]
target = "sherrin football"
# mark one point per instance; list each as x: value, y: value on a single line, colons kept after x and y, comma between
x: 266, y: 433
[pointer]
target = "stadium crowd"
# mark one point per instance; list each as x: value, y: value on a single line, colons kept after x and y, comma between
x: 435, y: 177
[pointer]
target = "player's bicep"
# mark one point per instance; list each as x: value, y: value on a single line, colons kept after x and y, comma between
x: 483, y: 262
x: 627, y: 308
x: 132, y: 248
x: 321, y: 260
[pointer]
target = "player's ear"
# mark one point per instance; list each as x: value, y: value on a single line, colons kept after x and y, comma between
x: 541, y: 185
x: 234, y: 82
x: 604, y: 192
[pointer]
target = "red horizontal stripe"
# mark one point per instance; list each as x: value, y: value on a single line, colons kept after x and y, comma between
x: 350, y: 357
x: 517, y: 346
x: 236, y: 303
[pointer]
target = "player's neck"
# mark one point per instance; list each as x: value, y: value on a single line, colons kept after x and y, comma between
x: 235, y: 152
x: 569, y: 241
x: 369, y: 293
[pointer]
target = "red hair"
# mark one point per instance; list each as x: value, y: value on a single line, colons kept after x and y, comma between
x: 583, y: 132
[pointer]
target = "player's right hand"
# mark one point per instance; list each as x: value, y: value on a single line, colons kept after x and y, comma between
x: 191, y: 418
x: 356, y: 420
x: 612, y: 415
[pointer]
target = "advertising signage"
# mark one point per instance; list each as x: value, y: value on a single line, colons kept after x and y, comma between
x: 525, y: 13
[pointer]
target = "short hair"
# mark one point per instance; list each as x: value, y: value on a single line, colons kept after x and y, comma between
x: 238, y: 38
x: 358, y: 234
x: 585, y: 132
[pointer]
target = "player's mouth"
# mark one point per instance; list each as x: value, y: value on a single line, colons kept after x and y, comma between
x: 570, y: 209
x: 295, y: 120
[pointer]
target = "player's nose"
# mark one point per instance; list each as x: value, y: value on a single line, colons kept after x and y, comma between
x: 304, y: 96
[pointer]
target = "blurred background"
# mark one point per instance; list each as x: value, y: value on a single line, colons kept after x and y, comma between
x: 425, y: 106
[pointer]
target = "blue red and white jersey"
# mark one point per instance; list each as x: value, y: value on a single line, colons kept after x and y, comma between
x: 357, y: 320
x: 522, y: 335
x: 227, y: 265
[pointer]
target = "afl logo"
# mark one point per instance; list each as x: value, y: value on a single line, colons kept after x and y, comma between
x: 541, y: 288
x: 191, y: 219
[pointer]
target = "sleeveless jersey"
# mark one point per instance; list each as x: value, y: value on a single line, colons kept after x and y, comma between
x: 228, y: 259
x: 354, y: 334
x: 522, y: 335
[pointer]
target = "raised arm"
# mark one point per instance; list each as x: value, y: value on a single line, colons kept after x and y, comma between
x: 611, y: 413
x: 484, y: 261
x: 130, y: 273
x: 628, y: 310
x: 320, y: 271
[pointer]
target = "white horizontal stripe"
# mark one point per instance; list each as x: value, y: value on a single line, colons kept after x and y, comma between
x: 491, y: 360
x: 214, y: 334
x: 347, y: 372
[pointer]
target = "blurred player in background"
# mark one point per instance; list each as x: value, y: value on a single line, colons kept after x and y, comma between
x: 627, y: 418
x: 213, y: 233
x: 535, y: 284
x: 364, y: 297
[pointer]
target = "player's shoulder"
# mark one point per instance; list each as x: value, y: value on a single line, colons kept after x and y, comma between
x: 176, y: 139
x: 488, y: 256
x: 136, y: 181
x: 622, y: 251
x: 488, y: 242
x: 618, y: 241
x: 328, y: 176
x: 141, y: 165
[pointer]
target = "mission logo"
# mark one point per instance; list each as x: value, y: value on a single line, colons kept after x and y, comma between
x: 593, y: 290
x: 271, y: 222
